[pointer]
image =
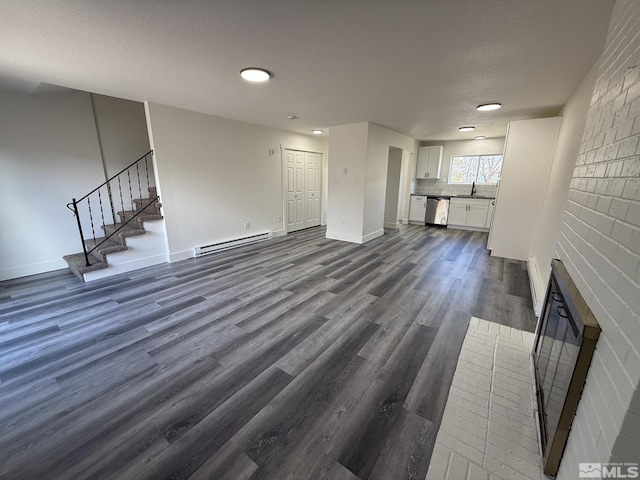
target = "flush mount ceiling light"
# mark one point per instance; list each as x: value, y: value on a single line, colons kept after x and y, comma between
x: 467, y: 129
x: 254, y: 74
x: 479, y: 137
x: 292, y: 117
x: 317, y: 132
x: 487, y: 107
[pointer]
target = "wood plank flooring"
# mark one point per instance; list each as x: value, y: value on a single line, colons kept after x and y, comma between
x: 297, y: 358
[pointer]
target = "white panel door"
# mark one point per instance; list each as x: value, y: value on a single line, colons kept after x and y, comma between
x: 294, y: 165
x: 313, y: 165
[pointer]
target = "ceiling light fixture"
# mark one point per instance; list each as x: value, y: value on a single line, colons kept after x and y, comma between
x: 292, y: 117
x: 467, y: 129
x: 254, y: 74
x: 480, y: 137
x: 487, y: 107
x: 317, y: 132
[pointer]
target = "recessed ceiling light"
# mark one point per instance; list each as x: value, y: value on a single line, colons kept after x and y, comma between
x: 479, y: 137
x: 467, y: 129
x: 489, y: 106
x: 317, y: 132
x: 254, y: 74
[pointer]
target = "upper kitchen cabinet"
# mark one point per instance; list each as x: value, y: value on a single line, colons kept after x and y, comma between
x: 429, y: 162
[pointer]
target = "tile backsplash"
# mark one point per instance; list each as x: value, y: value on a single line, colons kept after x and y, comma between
x: 427, y: 187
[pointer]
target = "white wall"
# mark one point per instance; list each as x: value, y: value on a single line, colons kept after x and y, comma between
x: 378, y: 142
x: 347, y: 170
x: 122, y: 131
x: 392, y: 193
x: 48, y: 154
x: 357, y: 198
x: 528, y: 155
x: 599, y: 244
x: 215, y: 174
x: 574, y: 117
x: 487, y: 146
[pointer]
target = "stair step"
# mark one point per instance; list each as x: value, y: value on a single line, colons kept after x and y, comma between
x: 153, y: 192
x: 140, y: 203
x: 105, y: 247
x: 148, y: 215
x: 127, y: 231
x: 78, y: 265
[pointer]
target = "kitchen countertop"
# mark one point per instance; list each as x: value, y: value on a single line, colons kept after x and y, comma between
x: 485, y: 197
x: 482, y: 197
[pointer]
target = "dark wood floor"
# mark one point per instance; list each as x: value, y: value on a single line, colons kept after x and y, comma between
x: 298, y: 358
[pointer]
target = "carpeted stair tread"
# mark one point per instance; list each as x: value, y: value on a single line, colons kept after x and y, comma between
x: 140, y: 203
x: 126, y: 230
x: 105, y: 247
x: 146, y: 216
x: 78, y: 265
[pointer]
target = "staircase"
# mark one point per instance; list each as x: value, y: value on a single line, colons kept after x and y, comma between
x: 103, y: 227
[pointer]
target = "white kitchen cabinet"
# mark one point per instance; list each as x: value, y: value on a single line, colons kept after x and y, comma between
x: 417, y: 209
x: 457, y: 213
x: 469, y: 212
x: 429, y: 162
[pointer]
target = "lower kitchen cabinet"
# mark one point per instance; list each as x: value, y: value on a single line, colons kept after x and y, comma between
x: 417, y: 209
x: 470, y: 212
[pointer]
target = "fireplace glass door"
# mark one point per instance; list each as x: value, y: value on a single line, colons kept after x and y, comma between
x: 565, y: 340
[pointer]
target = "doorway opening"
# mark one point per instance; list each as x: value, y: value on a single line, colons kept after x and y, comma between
x: 392, y: 193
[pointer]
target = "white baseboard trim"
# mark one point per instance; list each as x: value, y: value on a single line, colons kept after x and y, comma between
x: 464, y: 227
x: 33, y: 269
x: 278, y: 233
x: 536, y: 285
x: 345, y: 237
x: 372, y: 235
x: 183, y: 255
x: 392, y: 225
x: 125, y: 267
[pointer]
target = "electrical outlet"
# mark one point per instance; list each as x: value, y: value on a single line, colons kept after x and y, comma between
x: 246, y: 225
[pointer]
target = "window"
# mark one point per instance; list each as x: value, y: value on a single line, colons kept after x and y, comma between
x: 475, y: 168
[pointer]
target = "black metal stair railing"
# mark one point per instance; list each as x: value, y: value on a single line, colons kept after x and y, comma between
x: 98, y: 207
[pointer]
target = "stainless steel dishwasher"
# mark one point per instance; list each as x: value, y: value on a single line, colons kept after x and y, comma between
x: 437, y: 211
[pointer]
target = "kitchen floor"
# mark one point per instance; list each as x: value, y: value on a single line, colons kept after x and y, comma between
x: 297, y: 358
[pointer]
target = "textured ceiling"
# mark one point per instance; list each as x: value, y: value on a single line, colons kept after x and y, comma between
x: 419, y: 67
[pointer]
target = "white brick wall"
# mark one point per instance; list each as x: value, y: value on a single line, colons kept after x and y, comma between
x: 600, y: 245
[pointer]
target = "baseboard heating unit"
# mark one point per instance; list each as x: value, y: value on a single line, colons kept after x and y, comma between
x: 228, y: 244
